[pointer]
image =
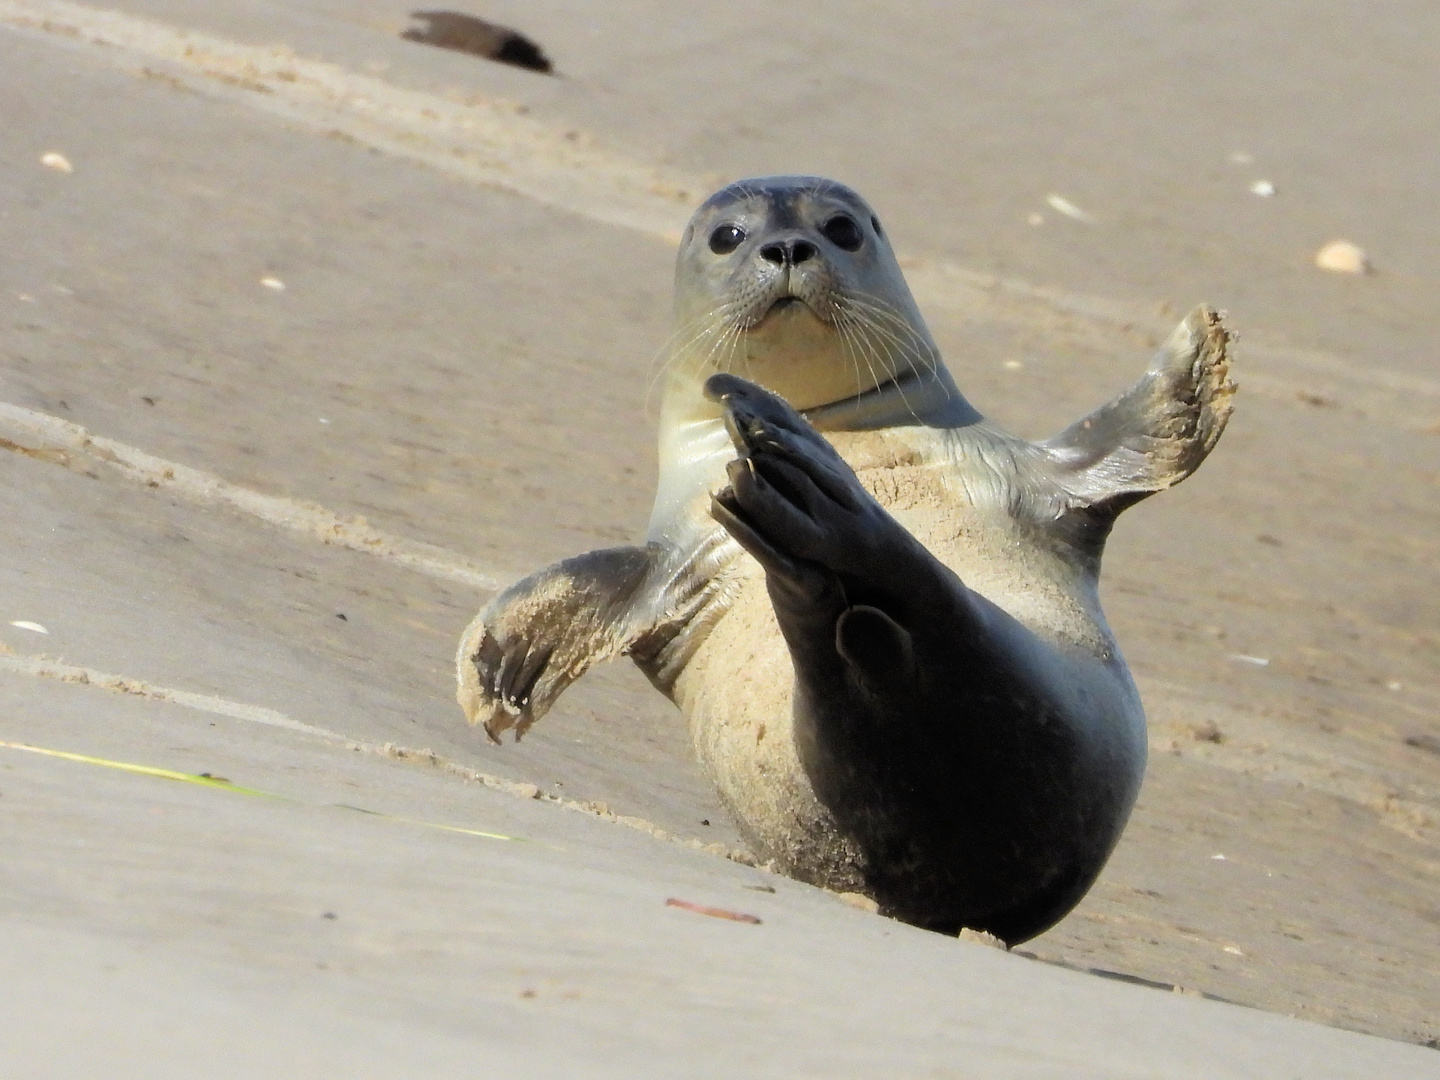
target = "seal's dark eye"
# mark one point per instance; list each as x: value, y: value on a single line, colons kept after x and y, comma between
x: 842, y: 231
x: 726, y: 239
x: 876, y: 222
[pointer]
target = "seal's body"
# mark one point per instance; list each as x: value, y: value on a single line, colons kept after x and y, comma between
x: 887, y: 638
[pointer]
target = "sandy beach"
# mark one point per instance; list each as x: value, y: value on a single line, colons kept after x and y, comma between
x: 312, y: 336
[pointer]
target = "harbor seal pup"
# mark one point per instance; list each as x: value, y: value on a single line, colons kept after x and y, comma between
x: 878, y: 611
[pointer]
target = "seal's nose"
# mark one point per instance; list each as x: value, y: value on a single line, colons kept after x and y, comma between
x: 791, y: 252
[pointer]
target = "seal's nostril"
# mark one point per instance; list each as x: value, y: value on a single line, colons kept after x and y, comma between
x: 789, y: 252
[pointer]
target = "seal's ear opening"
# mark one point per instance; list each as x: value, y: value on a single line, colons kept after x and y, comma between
x: 467, y: 34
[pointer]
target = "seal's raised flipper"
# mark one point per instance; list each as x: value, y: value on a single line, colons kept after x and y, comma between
x: 538, y: 636
x: 827, y: 546
x: 1159, y: 431
x: 789, y: 490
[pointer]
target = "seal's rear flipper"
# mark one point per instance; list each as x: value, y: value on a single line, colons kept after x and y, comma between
x: 541, y: 634
x: 1159, y: 431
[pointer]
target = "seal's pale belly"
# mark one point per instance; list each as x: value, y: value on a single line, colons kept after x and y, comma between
x: 737, y: 694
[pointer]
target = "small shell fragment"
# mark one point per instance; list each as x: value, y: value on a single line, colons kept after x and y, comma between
x: 1258, y: 661
x: 1264, y: 188
x: 33, y: 627
x: 273, y: 283
x: 1343, y: 257
x: 58, y: 162
x: 1062, y: 205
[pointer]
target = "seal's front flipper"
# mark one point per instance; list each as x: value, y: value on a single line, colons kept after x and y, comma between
x: 792, y: 501
x: 758, y: 418
x: 840, y: 570
x: 538, y: 636
x: 1159, y: 431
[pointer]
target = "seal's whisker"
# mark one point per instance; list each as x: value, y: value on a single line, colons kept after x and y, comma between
x: 668, y: 356
x: 893, y: 366
x: 742, y: 347
x: 720, y: 356
x: 855, y: 334
x: 730, y: 343
x: 847, y: 346
x: 716, y: 356
x: 920, y: 354
x: 885, y: 322
x: 891, y: 344
x: 686, y: 339
x: 889, y: 315
x: 869, y: 329
x: 900, y: 329
x: 868, y: 352
x: 924, y: 355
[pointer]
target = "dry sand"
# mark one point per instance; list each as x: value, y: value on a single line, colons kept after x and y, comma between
x: 474, y: 267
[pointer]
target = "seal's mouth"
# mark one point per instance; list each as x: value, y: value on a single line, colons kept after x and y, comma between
x: 784, y: 307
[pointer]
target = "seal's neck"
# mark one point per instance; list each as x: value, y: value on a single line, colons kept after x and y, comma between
x: 911, y: 399
x: 914, y: 398
x: 694, y: 446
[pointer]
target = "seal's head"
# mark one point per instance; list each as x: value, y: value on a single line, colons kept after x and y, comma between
x: 790, y: 281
